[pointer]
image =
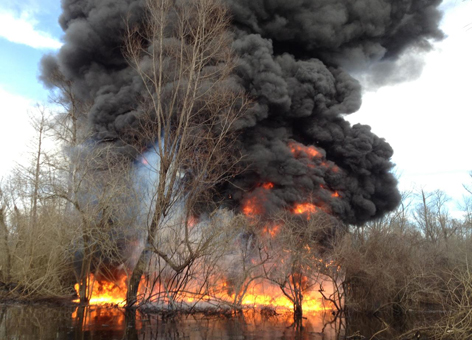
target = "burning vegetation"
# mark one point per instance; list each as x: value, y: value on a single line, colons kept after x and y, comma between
x: 207, y: 161
x: 277, y: 265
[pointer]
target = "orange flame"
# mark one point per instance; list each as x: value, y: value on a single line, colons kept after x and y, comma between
x: 259, y: 295
x: 311, y: 152
x: 298, y: 148
x: 272, y: 231
x: 253, y: 206
x: 304, y: 208
x: 268, y: 185
x: 105, y: 292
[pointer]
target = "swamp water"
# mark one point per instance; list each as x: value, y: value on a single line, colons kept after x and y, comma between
x: 24, y: 322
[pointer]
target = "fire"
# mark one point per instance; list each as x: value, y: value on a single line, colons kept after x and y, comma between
x: 310, y: 151
x: 270, y: 296
x: 264, y: 294
x: 271, y: 230
x: 106, y: 292
x: 305, y: 208
x: 259, y: 292
x: 298, y: 148
x: 254, y: 206
x: 334, y: 194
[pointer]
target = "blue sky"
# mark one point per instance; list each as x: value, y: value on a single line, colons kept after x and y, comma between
x: 427, y: 121
x: 28, y: 29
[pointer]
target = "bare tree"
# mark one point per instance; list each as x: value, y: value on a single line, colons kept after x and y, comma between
x: 423, y: 217
x: 5, y: 266
x: 299, y: 261
x: 44, y: 237
x: 203, y: 278
x: 397, y: 221
x: 190, y: 107
x: 36, y: 254
x: 102, y: 198
x: 34, y: 174
x: 466, y: 208
x: 68, y: 127
x: 432, y: 217
x: 92, y: 183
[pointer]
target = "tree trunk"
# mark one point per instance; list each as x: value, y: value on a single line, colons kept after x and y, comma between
x: 37, y: 170
x: 133, y: 286
x: 4, y: 239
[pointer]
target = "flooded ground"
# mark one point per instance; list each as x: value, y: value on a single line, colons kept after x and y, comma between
x: 45, y: 322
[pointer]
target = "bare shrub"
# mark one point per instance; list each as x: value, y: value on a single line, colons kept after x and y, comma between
x: 211, y: 239
x: 387, y: 271
x: 39, y: 262
x: 403, y: 261
x: 292, y: 253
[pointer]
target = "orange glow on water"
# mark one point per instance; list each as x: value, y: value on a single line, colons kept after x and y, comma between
x: 98, y: 318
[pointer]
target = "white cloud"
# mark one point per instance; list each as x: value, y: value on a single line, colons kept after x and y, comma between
x: 428, y: 121
x: 15, y: 131
x: 21, y: 30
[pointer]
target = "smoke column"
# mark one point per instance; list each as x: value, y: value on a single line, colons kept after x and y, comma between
x: 293, y: 61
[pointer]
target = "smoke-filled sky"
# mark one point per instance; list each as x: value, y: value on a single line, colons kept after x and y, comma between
x: 425, y: 119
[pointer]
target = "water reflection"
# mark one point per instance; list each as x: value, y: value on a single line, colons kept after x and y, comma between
x: 43, y: 322
x: 32, y: 322
x: 248, y: 325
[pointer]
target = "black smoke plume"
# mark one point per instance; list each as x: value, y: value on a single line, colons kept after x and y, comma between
x: 292, y: 61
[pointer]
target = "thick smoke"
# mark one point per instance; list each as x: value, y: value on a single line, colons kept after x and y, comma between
x: 293, y: 57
